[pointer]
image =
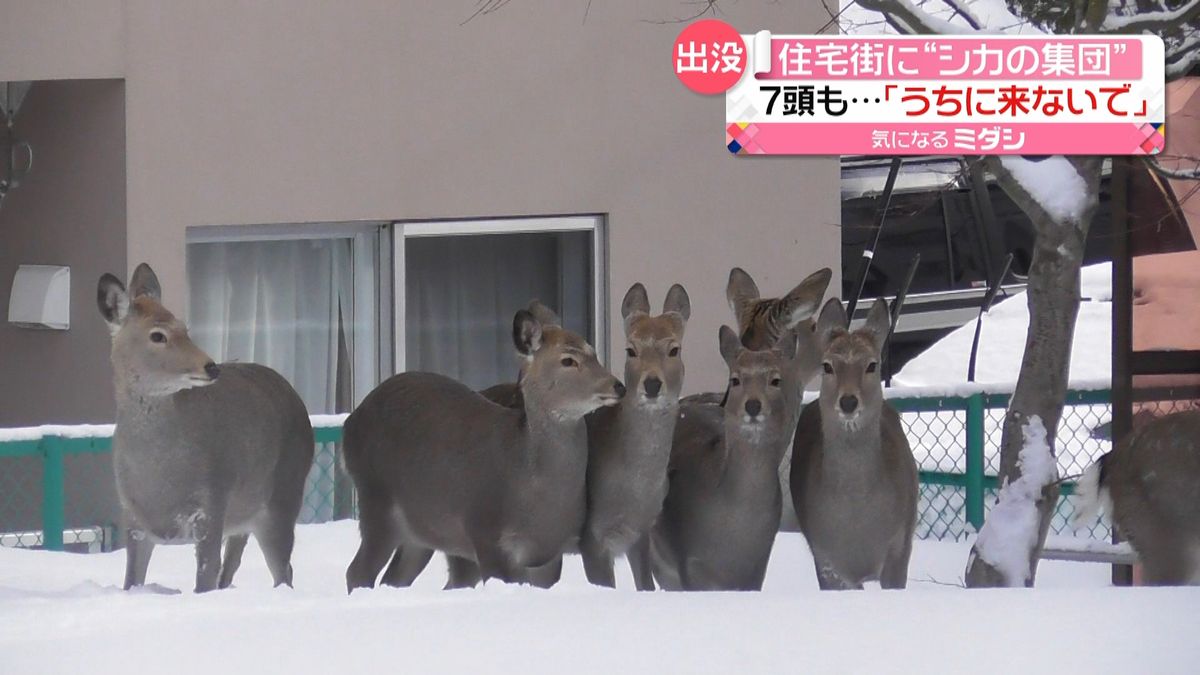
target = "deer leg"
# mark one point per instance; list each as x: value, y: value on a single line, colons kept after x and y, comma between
x: 597, y: 562
x: 138, y: 548
x: 895, y: 566
x: 639, y: 563
x: 277, y: 537
x: 407, y: 564
x: 209, y: 527
x: 380, y: 538
x: 546, y: 576
x: 829, y: 579
x: 1165, y: 565
x: 464, y: 573
x: 233, y: 558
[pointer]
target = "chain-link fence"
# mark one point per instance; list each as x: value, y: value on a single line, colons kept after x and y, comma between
x: 61, y: 484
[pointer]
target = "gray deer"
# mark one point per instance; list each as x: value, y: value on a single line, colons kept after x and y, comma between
x: 500, y: 490
x: 854, y: 479
x: 1150, y: 486
x: 628, y: 444
x: 203, y: 454
x: 721, y: 514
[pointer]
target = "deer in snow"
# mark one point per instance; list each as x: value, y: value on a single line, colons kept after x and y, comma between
x: 203, y: 454
x: 854, y: 479
x: 1149, y: 484
x: 723, y: 504
x: 499, y: 490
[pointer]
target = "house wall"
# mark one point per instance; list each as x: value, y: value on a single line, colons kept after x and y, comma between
x: 70, y: 210
x: 61, y: 39
x: 306, y: 111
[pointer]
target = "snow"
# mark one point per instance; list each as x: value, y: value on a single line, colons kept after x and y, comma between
x: 1052, y: 182
x: 1002, y: 343
x: 994, y: 15
x: 1011, y: 529
x: 60, y: 430
x: 63, y: 612
x: 324, y: 421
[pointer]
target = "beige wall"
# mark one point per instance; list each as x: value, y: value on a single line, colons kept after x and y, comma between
x: 58, y: 39
x: 274, y: 112
x: 70, y: 210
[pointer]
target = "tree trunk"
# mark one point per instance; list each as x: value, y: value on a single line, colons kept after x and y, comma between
x: 1053, y: 296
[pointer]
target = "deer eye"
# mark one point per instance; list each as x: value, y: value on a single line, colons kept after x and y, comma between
x: 674, y: 352
x: 775, y: 381
x: 734, y: 381
x: 569, y: 362
x: 630, y: 353
x: 157, y: 336
x: 872, y: 366
x: 828, y: 367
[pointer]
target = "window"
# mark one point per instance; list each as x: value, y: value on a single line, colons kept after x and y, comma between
x: 464, y: 280
x: 303, y: 300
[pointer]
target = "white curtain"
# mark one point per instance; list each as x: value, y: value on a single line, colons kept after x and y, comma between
x: 462, y: 292
x: 289, y: 305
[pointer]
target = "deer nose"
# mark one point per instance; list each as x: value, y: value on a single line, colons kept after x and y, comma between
x: 619, y: 389
x: 753, y: 407
x: 652, y: 385
x: 212, y: 370
x: 848, y: 404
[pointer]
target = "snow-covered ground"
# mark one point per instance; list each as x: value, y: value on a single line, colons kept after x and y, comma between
x: 63, y: 613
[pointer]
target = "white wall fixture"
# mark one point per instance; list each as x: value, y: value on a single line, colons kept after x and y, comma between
x: 41, y: 297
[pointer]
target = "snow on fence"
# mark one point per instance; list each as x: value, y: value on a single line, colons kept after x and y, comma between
x: 955, y: 435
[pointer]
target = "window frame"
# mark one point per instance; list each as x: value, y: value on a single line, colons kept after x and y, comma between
x: 402, y: 230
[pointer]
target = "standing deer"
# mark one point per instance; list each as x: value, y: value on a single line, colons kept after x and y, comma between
x: 721, y: 514
x: 203, y: 454
x: 762, y: 322
x: 1150, y: 486
x: 501, y: 491
x: 854, y: 479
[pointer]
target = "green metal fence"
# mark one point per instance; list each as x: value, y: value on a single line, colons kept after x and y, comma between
x: 954, y: 438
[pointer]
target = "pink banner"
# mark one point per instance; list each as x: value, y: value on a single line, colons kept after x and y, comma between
x: 783, y: 138
x: 1066, y: 58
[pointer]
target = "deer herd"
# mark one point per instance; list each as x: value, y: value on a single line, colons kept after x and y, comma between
x: 690, y: 491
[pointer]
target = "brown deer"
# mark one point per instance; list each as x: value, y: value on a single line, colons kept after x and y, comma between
x: 762, y: 322
x: 1150, y: 486
x: 854, y: 479
x: 721, y: 514
x: 501, y: 491
x: 203, y: 453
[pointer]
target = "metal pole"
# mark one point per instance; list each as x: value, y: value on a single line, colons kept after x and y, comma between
x: 869, y: 252
x: 988, y: 299
x: 974, y: 499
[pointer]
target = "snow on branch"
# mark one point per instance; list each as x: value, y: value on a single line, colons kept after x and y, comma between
x: 1155, y: 22
x: 1176, y: 171
x: 1010, y: 533
x: 903, y: 14
x: 1053, y: 184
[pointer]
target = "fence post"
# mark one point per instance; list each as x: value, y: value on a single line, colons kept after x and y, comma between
x: 53, y: 493
x: 975, y: 461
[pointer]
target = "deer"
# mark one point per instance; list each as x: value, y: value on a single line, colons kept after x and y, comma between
x: 761, y: 324
x: 501, y: 491
x: 1149, y: 484
x: 722, y: 510
x: 854, y: 479
x: 204, y: 454
x: 628, y: 444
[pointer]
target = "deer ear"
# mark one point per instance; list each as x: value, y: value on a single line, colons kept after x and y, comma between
x: 803, y: 300
x: 144, y: 282
x: 527, y: 333
x: 635, y: 304
x: 731, y: 346
x: 678, y: 302
x: 786, y: 344
x: 879, y: 322
x: 113, y: 302
x: 740, y: 291
x: 544, y: 315
x: 831, y: 323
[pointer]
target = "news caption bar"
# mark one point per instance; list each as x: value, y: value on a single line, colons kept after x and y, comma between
x: 915, y: 95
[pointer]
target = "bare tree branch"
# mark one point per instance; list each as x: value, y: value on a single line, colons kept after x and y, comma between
x: 1154, y: 22
x: 961, y: 9
x: 906, y: 17
x: 1176, y: 172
